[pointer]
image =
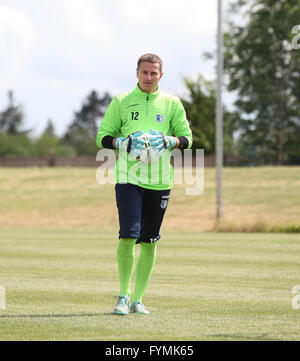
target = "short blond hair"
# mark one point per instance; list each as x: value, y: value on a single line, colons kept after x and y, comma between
x: 150, y: 58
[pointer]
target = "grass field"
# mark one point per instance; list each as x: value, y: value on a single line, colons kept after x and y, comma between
x: 254, y: 199
x: 60, y: 286
x: 58, y: 239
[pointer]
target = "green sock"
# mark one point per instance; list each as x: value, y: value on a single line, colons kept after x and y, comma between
x: 144, y: 268
x: 126, y: 257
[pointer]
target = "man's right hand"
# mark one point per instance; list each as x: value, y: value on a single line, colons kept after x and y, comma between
x: 131, y: 144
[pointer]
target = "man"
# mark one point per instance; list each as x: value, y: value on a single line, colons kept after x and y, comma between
x: 141, y: 202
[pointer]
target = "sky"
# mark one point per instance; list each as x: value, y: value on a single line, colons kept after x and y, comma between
x: 54, y: 52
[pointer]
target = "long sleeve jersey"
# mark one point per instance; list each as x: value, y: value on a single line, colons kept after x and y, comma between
x: 135, y: 111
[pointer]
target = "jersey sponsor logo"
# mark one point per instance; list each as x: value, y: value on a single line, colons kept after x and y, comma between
x: 159, y: 118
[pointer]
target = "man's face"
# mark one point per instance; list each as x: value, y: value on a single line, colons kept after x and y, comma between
x: 149, y: 75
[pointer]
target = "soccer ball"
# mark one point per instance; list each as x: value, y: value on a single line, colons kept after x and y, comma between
x: 148, y: 154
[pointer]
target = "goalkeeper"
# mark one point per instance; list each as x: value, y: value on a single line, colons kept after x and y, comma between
x: 142, y: 203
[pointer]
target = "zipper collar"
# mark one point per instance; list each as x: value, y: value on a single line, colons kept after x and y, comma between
x: 146, y: 96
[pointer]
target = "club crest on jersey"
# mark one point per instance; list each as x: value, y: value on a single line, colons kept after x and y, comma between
x: 159, y: 118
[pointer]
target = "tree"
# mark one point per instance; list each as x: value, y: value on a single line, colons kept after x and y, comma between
x: 11, y: 118
x: 50, y: 129
x: 82, y: 131
x: 200, y: 107
x: 50, y: 144
x: 13, y: 140
x: 264, y: 69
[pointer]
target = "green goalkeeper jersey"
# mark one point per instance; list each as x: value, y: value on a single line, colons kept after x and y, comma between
x: 135, y: 111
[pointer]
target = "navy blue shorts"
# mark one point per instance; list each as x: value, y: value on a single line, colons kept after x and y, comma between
x: 141, y: 212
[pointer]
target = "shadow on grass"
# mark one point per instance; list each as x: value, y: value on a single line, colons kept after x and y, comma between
x: 263, y: 337
x: 59, y: 315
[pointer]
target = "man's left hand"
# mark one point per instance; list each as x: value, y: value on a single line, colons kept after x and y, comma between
x: 161, y: 142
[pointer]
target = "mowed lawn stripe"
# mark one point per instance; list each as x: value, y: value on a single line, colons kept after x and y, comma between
x: 61, y: 285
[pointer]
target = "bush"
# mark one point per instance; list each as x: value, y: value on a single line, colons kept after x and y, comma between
x: 16, y: 145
